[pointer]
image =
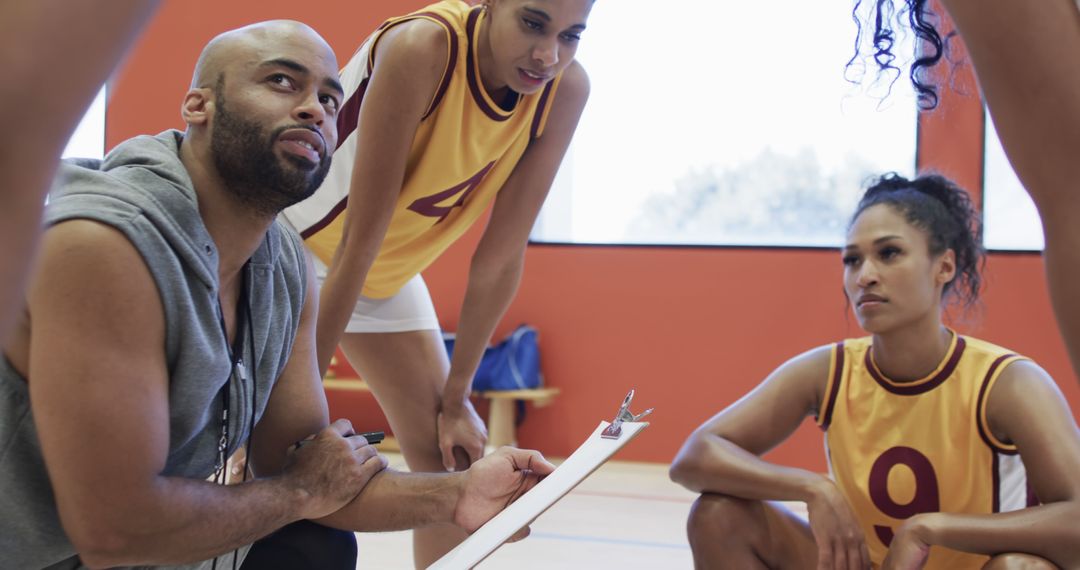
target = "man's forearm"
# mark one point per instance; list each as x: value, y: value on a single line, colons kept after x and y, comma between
x: 186, y: 520
x: 393, y: 500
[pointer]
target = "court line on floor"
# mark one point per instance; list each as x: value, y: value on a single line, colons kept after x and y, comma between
x: 681, y: 500
x: 600, y: 539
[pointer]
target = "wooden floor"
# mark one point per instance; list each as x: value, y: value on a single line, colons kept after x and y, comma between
x: 625, y: 516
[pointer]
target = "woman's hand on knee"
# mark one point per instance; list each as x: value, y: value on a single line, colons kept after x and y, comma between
x: 460, y: 427
x: 909, y: 548
x: 840, y: 541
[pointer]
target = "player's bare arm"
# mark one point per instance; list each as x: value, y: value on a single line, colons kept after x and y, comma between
x: 409, y: 62
x: 1027, y: 59
x: 54, y: 75
x: 723, y: 456
x: 497, y: 264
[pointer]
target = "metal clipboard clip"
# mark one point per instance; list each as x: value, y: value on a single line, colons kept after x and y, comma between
x: 614, y: 431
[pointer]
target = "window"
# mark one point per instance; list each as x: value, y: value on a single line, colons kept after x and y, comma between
x: 88, y: 141
x: 725, y: 123
x: 1010, y: 220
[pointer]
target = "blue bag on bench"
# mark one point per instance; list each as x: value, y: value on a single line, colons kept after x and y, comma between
x: 513, y: 364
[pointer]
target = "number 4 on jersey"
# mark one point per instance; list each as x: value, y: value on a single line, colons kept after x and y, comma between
x: 429, y: 205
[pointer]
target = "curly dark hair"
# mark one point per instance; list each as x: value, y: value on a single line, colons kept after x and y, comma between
x: 917, y: 15
x: 943, y: 210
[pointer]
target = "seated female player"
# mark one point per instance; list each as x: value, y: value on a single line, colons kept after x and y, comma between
x: 938, y: 444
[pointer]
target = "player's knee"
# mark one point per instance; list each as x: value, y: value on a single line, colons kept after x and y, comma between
x: 421, y: 452
x: 1016, y: 561
x: 718, y: 517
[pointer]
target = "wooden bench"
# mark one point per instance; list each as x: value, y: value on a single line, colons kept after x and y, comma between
x: 501, y: 424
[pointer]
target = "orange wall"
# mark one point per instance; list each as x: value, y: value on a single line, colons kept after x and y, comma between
x: 145, y: 96
x: 691, y: 329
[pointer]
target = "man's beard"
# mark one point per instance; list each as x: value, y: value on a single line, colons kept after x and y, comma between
x: 252, y: 173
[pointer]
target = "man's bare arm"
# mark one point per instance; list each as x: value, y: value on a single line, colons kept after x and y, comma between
x: 99, y: 393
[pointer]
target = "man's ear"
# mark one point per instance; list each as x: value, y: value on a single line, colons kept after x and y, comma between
x: 198, y: 105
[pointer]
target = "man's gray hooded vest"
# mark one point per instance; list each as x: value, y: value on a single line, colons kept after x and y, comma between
x: 142, y: 189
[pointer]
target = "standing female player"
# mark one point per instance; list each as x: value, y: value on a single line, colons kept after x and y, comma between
x: 933, y: 438
x: 449, y: 108
x: 1026, y: 56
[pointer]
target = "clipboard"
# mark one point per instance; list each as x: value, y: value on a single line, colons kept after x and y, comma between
x: 604, y: 441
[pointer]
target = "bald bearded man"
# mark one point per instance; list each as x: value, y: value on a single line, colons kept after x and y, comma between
x: 172, y: 322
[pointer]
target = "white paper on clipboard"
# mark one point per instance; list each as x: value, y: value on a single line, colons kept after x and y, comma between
x: 586, y: 459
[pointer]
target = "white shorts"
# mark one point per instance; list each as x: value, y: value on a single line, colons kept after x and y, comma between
x: 410, y: 309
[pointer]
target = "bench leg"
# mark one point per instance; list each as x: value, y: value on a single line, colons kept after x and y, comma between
x: 501, y: 424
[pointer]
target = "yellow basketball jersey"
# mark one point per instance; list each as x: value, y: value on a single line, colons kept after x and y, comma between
x: 897, y: 449
x: 464, y: 150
